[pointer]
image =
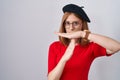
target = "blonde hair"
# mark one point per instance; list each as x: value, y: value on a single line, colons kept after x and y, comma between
x: 66, y: 41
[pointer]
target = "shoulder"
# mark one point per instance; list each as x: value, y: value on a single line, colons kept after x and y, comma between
x: 96, y: 47
x: 94, y: 44
x: 56, y: 44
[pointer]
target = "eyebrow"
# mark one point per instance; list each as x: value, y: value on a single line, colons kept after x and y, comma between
x: 72, y: 21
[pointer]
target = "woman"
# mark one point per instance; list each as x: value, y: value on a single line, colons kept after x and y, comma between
x: 70, y: 58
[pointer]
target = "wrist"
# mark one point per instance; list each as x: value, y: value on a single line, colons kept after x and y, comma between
x: 86, y: 34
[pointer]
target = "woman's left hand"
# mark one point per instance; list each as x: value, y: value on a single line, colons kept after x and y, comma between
x: 72, y: 35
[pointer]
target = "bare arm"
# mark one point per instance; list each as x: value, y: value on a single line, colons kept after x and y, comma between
x: 111, y: 45
x: 56, y: 73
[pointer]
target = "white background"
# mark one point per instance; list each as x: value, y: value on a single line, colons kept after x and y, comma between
x: 27, y: 29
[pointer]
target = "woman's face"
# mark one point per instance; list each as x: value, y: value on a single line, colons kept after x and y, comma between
x: 72, y: 24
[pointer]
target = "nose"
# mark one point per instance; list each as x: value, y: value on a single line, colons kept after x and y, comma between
x: 71, y: 27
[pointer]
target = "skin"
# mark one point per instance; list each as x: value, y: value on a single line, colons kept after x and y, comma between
x: 72, y: 28
x: 73, y: 33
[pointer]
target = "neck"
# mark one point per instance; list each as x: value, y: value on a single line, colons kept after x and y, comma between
x: 76, y: 41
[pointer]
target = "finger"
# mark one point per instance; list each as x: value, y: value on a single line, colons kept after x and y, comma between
x: 66, y: 35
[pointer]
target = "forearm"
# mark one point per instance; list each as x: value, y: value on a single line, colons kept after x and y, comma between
x: 111, y: 45
x: 56, y: 73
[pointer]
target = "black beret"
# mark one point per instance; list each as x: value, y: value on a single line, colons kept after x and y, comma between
x: 76, y: 9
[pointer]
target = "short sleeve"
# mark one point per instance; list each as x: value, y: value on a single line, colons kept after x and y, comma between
x: 51, y: 57
x: 99, y: 50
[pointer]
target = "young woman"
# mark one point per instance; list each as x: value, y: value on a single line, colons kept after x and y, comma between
x: 70, y: 58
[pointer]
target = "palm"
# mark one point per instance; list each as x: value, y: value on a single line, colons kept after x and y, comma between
x: 70, y: 35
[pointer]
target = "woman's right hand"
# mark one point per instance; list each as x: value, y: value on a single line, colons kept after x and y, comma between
x: 69, y: 50
x: 56, y: 73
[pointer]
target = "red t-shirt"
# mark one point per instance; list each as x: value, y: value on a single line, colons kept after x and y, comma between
x: 78, y: 66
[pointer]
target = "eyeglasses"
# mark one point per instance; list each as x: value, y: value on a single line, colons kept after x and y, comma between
x: 74, y: 24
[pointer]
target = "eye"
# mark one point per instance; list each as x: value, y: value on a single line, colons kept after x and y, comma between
x: 75, y: 23
x: 67, y: 23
